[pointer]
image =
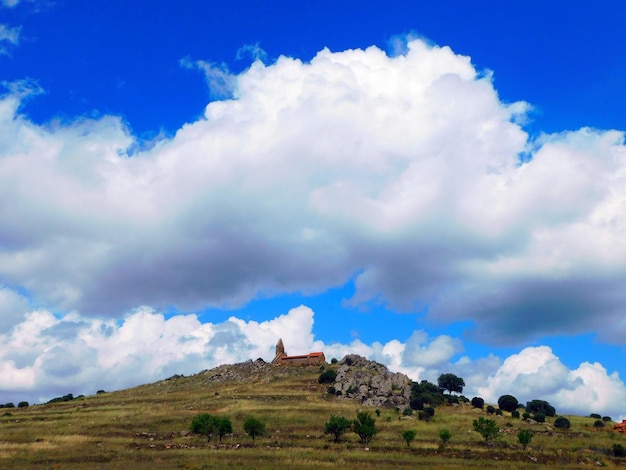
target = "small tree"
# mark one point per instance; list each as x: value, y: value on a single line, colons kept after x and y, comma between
x: 524, y: 436
x: 408, y: 436
x: 364, y: 425
x: 562, y: 423
x: 337, y: 425
x: 540, y: 406
x: 254, y: 427
x: 22, y: 404
x: 445, y: 436
x: 488, y: 428
x: 222, y: 426
x: 203, y: 424
x: 451, y: 382
x: 478, y: 402
x: 327, y: 377
x: 598, y: 423
x: 507, y: 403
x: 618, y: 450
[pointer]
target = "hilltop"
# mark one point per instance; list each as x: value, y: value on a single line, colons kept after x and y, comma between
x: 147, y: 427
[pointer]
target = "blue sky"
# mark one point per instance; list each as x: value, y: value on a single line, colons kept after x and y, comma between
x: 438, y: 187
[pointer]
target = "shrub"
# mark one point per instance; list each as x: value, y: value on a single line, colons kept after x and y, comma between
x: 99, y: 392
x: 562, y: 423
x: 254, y: 427
x: 327, y: 377
x: 8, y: 405
x: 452, y: 400
x: 507, y: 403
x: 618, y: 450
x: 515, y: 414
x: 464, y: 399
x: 526, y: 415
x: 417, y: 404
x: 606, y: 419
x: 364, y: 425
x: 331, y: 390
x: 487, y: 428
x: 498, y: 412
x: 490, y: 409
x: 445, y: 436
x: 408, y: 411
x: 223, y: 426
x: 377, y: 412
x: 408, y: 436
x: 334, y: 360
x: 22, y: 404
x: 598, y: 423
x: 595, y: 416
x: 427, y: 414
x: 337, y: 425
x: 540, y: 417
x: 478, y: 402
x: 524, y: 436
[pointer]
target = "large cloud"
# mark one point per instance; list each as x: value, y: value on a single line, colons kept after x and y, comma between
x: 405, y: 173
x: 44, y: 356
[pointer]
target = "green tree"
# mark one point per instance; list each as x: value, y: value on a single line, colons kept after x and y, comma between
x: 203, y: 424
x: 222, y: 426
x: 337, y: 425
x: 540, y: 406
x: 488, y: 428
x: 524, y: 436
x: 445, y: 436
x: 507, y: 403
x: 254, y: 427
x: 364, y: 425
x: 408, y: 436
x: 451, y: 382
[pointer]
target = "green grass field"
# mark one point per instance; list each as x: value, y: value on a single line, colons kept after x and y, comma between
x: 147, y: 428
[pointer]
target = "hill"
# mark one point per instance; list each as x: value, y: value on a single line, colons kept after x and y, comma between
x: 147, y: 427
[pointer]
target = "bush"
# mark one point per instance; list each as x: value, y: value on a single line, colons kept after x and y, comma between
x: 478, y: 402
x: 487, y: 428
x: 334, y: 360
x: 331, y: 390
x: 365, y: 426
x: 540, y: 417
x: 524, y: 436
x: 22, y: 404
x: 253, y: 427
x: 507, y: 403
x: 562, y: 423
x: 417, y: 404
x: 337, y: 425
x: 445, y: 436
x: 99, y: 392
x: 618, y: 450
x: 452, y: 400
x: 595, y: 416
x: 408, y: 411
x: 606, y: 419
x: 427, y: 414
x: 598, y: 423
x: 490, y: 409
x: 327, y: 377
x: 515, y: 414
x: 498, y: 412
x: 526, y: 415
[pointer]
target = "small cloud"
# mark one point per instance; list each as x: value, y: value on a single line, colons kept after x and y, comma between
x: 220, y: 81
x: 252, y: 50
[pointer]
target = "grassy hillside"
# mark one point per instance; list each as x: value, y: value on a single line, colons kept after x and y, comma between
x: 147, y: 428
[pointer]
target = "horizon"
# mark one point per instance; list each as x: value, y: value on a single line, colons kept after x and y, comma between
x: 438, y: 188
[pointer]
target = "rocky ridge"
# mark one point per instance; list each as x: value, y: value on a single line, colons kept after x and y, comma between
x: 371, y: 383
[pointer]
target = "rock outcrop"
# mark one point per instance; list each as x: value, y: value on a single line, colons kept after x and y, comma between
x: 371, y: 383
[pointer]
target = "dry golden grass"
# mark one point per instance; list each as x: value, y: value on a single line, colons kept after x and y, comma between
x: 145, y: 428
